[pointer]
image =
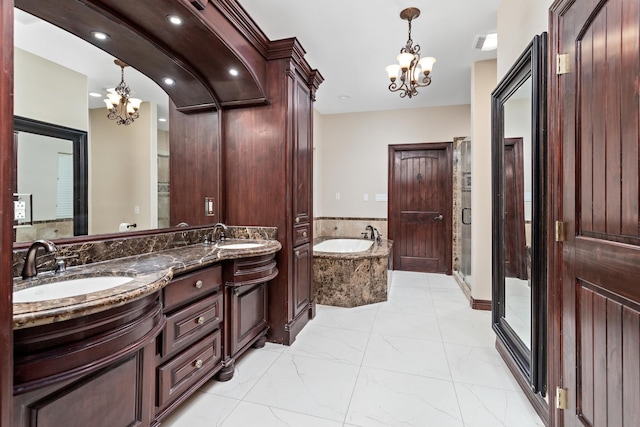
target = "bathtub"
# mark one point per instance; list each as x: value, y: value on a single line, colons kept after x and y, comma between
x: 343, y: 245
x: 350, y: 272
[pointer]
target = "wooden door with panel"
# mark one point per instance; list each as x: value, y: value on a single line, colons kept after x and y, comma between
x: 420, y: 205
x: 595, y: 147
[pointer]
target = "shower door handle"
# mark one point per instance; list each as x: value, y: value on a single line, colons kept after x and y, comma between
x: 469, y: 216
x: 438, y: 218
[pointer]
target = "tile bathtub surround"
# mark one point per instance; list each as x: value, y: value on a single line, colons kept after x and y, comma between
x: 105, y: 250
x: 347, y: 227
x: 351, y: 279
x: 370, y: 366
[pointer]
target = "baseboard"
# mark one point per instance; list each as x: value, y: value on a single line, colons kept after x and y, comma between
x: 480, y: 304
x: 476, y: 304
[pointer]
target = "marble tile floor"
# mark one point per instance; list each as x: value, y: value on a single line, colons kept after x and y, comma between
x: 422, y: 358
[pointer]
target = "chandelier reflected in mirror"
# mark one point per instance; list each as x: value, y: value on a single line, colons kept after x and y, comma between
x: 122, y: 108
x: 410, y: 72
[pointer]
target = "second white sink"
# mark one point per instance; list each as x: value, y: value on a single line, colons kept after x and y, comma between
x: 68, y: 288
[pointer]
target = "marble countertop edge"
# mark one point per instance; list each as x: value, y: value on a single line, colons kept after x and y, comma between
x: 149, y: 272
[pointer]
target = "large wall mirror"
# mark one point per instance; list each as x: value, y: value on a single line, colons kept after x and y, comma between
x: 60, y: 83
x: 519, y: 226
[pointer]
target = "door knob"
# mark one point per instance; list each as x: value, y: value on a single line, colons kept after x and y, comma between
x: 438, y: 218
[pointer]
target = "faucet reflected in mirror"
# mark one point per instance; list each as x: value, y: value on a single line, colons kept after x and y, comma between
x: 30, y: 267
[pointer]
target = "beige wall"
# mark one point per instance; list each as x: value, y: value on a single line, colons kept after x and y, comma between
x: 518, y: 22
x: 351, y: 153
x: 123, y: 171
x: 50, y: 93
x: 483, y: 81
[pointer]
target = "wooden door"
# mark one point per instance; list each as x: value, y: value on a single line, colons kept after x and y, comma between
x: 515, y: 251
x: 595, y: 146
x: 420, y: 205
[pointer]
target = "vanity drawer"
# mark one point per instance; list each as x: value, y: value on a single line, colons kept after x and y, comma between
x: 191, y: 323
x: 192, y: 286
x: 301, y: 234
x: 181, y: 372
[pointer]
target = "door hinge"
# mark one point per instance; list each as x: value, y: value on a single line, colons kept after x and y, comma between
x: 559, y: 231
x: 561, y: 398
x: 562, y: 64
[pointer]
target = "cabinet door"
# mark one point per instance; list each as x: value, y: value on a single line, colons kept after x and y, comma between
x: 303, y: 155
x: 248, y: 314
x: 302, y: 279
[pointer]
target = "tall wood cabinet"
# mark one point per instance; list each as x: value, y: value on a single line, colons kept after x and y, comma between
x: 269, y: 179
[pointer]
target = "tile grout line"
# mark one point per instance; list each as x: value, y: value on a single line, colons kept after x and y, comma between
x: 366, y: 347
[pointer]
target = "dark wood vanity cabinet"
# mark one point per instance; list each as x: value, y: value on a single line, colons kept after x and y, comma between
x: 190, y: 347
x: 96, y: 370
x: 276, y: 190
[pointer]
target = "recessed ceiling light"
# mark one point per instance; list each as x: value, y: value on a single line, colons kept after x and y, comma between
x: 95, y: 94
x: 169, y: 81
x: 162, y: 119
x: 486, y: 41
x: 233, y: 72
x: 343, y: 97
x: 175, y: 20
x: 99, y: 35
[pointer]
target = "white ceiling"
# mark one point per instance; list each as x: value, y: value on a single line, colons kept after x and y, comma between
x: 351, y: 41
x: 348, y: 41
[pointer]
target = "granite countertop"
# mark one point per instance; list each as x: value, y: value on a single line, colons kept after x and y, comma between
x: 149, y: 273
x: 376, y: 250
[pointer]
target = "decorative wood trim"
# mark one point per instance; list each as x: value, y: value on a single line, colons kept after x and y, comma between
x: 6, y: 208
x: 553, y: 212
x: 480, y: 304
x: 538, y: 403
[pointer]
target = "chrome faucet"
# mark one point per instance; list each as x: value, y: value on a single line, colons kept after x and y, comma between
x: 220, y: 229
x: 30, y: 269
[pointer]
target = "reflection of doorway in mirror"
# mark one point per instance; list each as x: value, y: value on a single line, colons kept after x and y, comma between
x: 163, y: 179
x: 45, y: 170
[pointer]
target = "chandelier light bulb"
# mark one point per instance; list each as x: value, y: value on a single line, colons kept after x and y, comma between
x: 393, y: 71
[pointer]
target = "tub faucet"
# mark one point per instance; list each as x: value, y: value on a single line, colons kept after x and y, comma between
x: 369, y: 227
x: 378, y: 236
x: 220, y: 229
x: 30, y: 269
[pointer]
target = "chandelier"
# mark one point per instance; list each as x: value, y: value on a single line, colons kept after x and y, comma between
x: 122, y: 108
x: 413, y: 71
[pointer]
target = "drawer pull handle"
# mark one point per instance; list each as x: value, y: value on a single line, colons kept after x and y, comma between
x: 198, y: 364
x: 297, y: 220
x: 200, y: 320
x: 297, y: 254
x: 304, y: 234
x: 198, y: 284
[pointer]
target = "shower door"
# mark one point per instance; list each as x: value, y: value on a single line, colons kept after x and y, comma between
x: 465, y: 212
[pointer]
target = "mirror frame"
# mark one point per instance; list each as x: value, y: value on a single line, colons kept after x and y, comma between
x: 531, y: 362
x: 78, y: 139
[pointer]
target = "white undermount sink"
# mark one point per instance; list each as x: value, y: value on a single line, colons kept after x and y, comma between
x: 68, y: 288
x: 241, y: 245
